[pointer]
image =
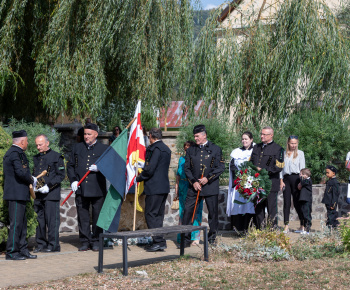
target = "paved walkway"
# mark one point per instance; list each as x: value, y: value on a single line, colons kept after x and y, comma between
x: 70, y: 262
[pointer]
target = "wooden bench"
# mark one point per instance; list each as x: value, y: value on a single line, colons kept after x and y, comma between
x: 150, y: 233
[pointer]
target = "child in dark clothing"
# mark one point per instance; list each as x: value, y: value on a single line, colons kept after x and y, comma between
x: 331, y: 194
x: 305, y: 199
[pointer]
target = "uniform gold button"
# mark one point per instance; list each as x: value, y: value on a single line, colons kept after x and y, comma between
x: 88, y: 160
x: 88, y: 155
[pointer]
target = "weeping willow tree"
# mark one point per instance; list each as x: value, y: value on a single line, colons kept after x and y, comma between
x: 73, y: 56
x: 265, y: 60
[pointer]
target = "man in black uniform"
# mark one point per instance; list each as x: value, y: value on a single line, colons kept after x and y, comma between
x: 203, y: 159
x: 268, y: 155
x: 155, y: 174
x: 17, y: 179
x: 47, y: 201
x: 92, y: 190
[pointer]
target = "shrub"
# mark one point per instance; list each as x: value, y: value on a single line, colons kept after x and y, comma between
x: 344, y: 229
x: 323, y: 137
x: 5, y: 143
x: 268, y: 237
x: 267, y: 244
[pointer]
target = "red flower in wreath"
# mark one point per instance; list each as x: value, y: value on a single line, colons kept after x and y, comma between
x: 257, y: 174
x: 241, y: 172
x: 237, y: 186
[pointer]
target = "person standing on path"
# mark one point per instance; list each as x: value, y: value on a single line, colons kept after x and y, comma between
x: 241, y: 214
x: 17, y: 179
x: 270, y: 156
x: 155, y: 174
x: 181, y: 188
x: 205, y: 158
x: 92, y: 191
x: 294, y: 161
x: 47, y: 201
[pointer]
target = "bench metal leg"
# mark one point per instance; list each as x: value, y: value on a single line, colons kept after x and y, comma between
x: 205, y: 235
x: 100, y: 254
x: 125, y: 256
x: 182, y: 245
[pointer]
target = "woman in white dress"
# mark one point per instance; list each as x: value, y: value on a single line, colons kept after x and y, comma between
x: 241, y: 214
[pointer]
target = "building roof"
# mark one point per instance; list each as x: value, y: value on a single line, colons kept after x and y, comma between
x: 175, y: 117
x: 229, y: 8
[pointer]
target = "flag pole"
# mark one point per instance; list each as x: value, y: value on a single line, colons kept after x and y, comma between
x: 135, y: 198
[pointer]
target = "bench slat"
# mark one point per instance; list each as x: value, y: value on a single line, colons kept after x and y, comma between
x: 155, y: 232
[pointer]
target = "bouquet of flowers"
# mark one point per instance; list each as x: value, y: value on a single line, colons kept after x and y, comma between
x: 253, y: 185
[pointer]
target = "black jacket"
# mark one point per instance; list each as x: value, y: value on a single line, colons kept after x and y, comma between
x: 54, y: 164
x: 331, y: 194
x: 17, y: 177
x: 155, y: 174
x: 306, y: 190
x: 271, y: 157
x: 209, y: 156
x: 81, y: 158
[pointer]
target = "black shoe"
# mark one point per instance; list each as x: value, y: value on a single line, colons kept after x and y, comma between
x: 95, y: 248
x: 84, y: 248
x: 155, y: 248
x: 37, y: 250
x: 15, y: 257
x: 47, y: 250
x: 28, y: 255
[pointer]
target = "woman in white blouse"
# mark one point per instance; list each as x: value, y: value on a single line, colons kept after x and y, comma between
x: 241, y: 214
x: 294, y: 161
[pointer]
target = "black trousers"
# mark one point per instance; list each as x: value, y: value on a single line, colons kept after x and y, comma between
x: 241, y: 222
x: 47, y: 231
x: 86, y: 236
x: 154, y: 214
x: 291, y: 182
x: 212, y: 202
x: 271, y: 203
x: 332, y: 215
x: 306, y: 209
x: 16, y: 241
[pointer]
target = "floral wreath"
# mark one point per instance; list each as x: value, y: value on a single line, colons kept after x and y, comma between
x: 252, y: 184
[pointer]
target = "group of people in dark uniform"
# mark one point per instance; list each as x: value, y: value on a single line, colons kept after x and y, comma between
x: 203, y: 166
x: 17, y: 179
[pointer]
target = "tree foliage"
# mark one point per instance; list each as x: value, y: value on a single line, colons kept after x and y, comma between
x: 82, y: 54
x: 269, y: 64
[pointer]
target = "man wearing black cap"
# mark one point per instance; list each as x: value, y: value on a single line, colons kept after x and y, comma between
x: 17, y: 179
x: 92, y: 191
x: 155, y: 174
x: 47, y: 201
x: 204, y: 159
x: 270, y: 156
x: 331, y: 195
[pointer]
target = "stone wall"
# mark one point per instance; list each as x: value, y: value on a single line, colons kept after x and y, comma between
x: 69, y: 216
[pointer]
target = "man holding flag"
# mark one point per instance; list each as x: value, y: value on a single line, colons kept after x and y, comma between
x: 92, y: 190
x: 156, y: 178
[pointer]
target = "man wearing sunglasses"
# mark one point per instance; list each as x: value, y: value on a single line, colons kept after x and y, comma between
x: 270, y: 156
